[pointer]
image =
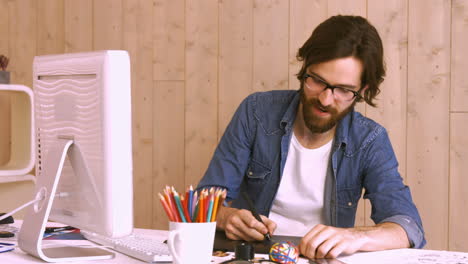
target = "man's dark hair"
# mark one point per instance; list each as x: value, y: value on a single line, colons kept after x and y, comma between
x: 345, y: 36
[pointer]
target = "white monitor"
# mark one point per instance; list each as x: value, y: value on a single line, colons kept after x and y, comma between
x: 84, y: 149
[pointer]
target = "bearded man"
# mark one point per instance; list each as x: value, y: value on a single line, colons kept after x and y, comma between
x: 305, y: 156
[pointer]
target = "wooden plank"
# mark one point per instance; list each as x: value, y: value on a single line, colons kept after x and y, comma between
x: 301, y: 25
x: 390, y: 19
x: 4, y: 27
x: 50, y: 27
x: 235, y: 57
x: 107, y: 24
x: 22, y: 40
x: 350, y: 7
x: 5, y: 113
x: 428, y: 115
x: 169, y: 40
x: 137, y: 40
x: 78, y: 25
x: 168, y: 146
x: 459, y: 78
x: 458, y: 181
x: 270, y: 38
x: 201, y: 118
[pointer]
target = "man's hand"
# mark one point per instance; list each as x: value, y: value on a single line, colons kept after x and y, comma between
x: 330, y: 242
x: 240, y: 224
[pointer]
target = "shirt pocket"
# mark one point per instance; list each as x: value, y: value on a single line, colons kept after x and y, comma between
x: 256, y: 171
x: 349, y: 197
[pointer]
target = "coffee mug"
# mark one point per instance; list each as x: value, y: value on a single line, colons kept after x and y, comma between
x: 191, y: 242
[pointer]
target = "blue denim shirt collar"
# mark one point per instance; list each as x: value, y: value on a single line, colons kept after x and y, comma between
x: 287, y: 121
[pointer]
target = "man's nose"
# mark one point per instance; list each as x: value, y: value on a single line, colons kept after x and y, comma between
x: 326, y: 97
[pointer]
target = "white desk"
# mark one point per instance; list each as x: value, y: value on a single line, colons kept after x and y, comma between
x: 399, y: 256
x: 17, y: 256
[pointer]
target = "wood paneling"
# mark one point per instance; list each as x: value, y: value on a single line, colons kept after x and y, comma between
x: 458, y: 229
x: 50, y: 27
x: 459, y: 81
x: 194, y: 61
x: 169, y: 40
x: 107, y: 24
x: 137, y: 40
x: 4, y: 26
x: 169, y: 143
x: 270, y: 45
x: 22, y: 40
x: 235, y: 57
x: 78, y: 25
x: 428, y: 114
x: 201, y: 87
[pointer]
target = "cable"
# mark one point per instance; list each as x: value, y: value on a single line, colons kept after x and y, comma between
x: 21, y: 208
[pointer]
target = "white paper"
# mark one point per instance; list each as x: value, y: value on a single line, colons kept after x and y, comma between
x: 407, y: 256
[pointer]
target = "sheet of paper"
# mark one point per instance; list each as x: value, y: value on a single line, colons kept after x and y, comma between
x: 408, y: 256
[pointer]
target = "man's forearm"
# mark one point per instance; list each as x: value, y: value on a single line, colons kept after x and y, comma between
x: 383, y: 236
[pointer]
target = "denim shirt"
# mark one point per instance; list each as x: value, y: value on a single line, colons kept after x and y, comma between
x: 252, y: 154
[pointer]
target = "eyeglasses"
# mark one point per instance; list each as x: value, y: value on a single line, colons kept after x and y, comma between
x: 315, y: 82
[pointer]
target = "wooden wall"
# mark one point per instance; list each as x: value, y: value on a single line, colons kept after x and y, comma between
x: 193, y: 61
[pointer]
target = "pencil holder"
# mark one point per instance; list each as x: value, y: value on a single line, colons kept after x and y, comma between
x: 191, y: 242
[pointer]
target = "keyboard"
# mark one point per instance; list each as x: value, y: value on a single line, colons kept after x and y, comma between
x: 142, y: 247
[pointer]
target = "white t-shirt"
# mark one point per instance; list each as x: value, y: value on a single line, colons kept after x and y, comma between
x: 298, y: 205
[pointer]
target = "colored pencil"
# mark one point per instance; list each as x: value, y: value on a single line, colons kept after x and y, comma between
x: 194, y: 204
x: 179, y: 206
x: 171, y: 203
x: 215, y: 206
x: 210, y: 209
x: 195, y: 212
x: 190, y: 200
x: 166, y: 207
x: 184, y: 208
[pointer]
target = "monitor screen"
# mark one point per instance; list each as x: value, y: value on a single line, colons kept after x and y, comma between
x: 84, y: 145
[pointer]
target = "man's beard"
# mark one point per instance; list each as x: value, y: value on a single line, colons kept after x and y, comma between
x: 315, y: 123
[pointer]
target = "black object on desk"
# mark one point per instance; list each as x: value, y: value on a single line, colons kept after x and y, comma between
x: 8, y: 220
x: 263, y: 247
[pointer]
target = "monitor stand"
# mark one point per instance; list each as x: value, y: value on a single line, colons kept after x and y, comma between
x: 33, y: 227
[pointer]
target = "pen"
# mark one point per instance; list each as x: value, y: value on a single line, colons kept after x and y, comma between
x: 57, y: 229
x: 6, y: 247
x: 254, y: 212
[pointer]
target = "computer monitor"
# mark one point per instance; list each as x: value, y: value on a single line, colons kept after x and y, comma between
x: 84, y: 150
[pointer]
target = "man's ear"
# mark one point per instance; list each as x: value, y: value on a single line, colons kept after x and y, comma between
x: 363, y: 90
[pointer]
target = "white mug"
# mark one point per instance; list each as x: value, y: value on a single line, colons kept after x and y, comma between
x: 191, y: 242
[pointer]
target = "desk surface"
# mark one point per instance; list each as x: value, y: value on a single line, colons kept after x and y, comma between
x: 400, y: 256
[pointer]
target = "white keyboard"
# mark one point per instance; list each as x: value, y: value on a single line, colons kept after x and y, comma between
x: 142, y: 247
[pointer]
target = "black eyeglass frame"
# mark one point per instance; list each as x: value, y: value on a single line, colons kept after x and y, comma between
x: 356, y: 94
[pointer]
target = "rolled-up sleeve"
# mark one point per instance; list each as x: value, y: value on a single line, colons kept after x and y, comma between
x: 412, y: 229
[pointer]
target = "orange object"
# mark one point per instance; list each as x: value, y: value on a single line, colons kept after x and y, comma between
x: 166, y: 207
x: 185, y: 209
